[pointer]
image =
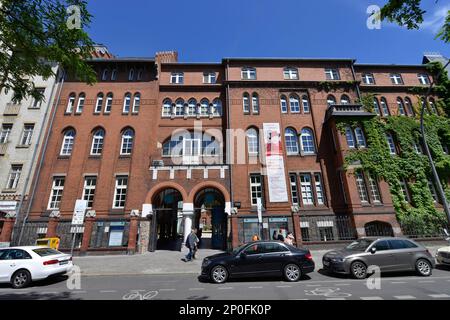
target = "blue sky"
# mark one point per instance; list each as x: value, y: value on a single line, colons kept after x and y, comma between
x: 208, y: 30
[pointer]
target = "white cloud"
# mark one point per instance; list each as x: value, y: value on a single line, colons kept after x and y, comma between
x: 435, y: 22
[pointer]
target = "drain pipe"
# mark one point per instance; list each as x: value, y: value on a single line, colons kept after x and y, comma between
x: 229, y: 160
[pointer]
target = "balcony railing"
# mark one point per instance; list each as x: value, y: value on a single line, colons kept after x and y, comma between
x: 11, y: 109
x: 3, y: 148
x: 347, y: 110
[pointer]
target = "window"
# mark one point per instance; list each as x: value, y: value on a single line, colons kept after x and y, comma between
x: 252, y: 142
x: 70, y: 103
x: 81, y: 99
x: 114, y: 75
x: 307, y: 141
x: 290, y: 136
x: 432, y: 106
x: 382, y: 245
x: 376, y: 106
x: 255, y: 103
x: 189, y: 145
x: 204, y: 107
x: 332, y: 74
x: 355, y: 138
x: 256, y: 189
x: 127, y: 142
x: 368, y: 78
x: 401, y: 244
x: 109, y: 101
x: 409, y: 107
x: 401, y: 107
x: 192, y: 107
x: 126, y: 103
x: 140, y: 74
x: 27, y: 134
x: 246, y: 102
x: 391, y: 143
x: 105, y: 75
x: 283, y: 104
x: 120, y: 192
x: 209, y: 77
x: 349, y: 136
x: 89, y: 190
x: 326, y: 233
x: 345, y: 99
x: 177, y: 77
x: 405, y: 190
x: 417, y: 147
x: 67, y: 144
x: 305, y: 233
x: 97, y: 142
x: 424, y: 106
x: 248, y: 73
x: 99, y: 103
x: 360, y: 138
x: 14, y: 176
x: 306, y: 188
x: 331, y: 100
x: 423, y: 78
x: 290, y: 73
x: 361, y: 186
x: 374, y: 190
x: 136, y: 102
x: 319, y: 189
x: 305, y: 104
x: 294, y: 188
x: 384, y: 107
x: 167, y: 108
x: 37, y: 103
x: 5, y: 132
x: 432, y: 190
x: 56, y: 193
x: 294, y: 104
x: 217, y: 107
x: 131, y: 75
x: 396, y: 78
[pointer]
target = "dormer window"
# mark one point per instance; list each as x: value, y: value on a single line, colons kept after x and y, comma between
x: 423, y: 78
x: 248, y: 73
x: 396, y: 78
x: 131, y: 75
x: 105, y: 75
x: 290, y: 73
x: 332, y: 74
x: 177, y: 78
x: 368, y: 78
x: 114, y: 75
x: 209, y: 77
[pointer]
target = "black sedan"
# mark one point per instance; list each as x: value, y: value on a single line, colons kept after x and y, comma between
x: 256, y: 259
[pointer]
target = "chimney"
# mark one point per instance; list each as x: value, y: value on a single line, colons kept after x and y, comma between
x: 166, y: 56
x: 101, y: 52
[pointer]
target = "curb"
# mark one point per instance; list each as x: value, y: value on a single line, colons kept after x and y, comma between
x: 135, y: 274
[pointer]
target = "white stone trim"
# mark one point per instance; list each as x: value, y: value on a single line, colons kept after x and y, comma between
x: 228, y: 208
x: 304, y: 224
x: 147, y: 209
x: 327, y: 223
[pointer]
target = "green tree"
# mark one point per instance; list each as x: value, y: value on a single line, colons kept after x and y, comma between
x: 34, y: 34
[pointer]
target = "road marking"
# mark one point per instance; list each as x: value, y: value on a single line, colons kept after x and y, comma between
x: 225, y: 288
x: 342, y: 284
x: 437, y: 296
x: 49, y: 292
x: 427, y: 281
x: 255, y: 287
x: 167, y: 289
x: 284, y: 286
x: 405, y: 297
x: 79, y: 291
x: 192, y: 289
x: 313, y: 285
x: 298, y: 299
x: 336, y: 299
x: 397, y: 282
x: 108, y: 291
x: 371, y: 298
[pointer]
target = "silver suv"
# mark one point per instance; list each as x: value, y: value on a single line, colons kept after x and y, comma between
x: 389, y: 254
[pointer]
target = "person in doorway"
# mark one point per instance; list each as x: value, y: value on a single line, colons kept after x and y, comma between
x: 255, y: 237
x: 191, y: 244
x: 289, y: 239
x: 274, y: 235
x: 280, y: 236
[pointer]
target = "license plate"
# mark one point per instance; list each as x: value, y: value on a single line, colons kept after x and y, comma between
x: 64, y: 262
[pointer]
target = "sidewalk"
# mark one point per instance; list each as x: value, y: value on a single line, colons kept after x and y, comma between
x: 160, y: 262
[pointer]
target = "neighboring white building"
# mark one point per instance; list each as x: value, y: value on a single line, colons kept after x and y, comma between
x: 22, y: 129
x: 436, y: 56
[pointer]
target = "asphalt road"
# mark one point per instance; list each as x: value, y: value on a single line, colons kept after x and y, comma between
x: 315, y: 286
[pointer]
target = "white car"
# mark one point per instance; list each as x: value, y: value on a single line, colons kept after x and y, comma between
x: 443, y: 254
x: 21, y: 265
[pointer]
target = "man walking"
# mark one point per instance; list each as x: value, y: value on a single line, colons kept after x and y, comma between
x: 191, y: 244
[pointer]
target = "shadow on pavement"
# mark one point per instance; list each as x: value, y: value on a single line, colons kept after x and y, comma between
x: 443, y: 267
x: 37, y: 296
x: 40, y: 283
x: 202, y: 279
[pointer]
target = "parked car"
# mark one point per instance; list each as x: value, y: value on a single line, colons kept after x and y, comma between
x: 388, y: 253
x: 21, y: 265
x: 259, y: 259
x: 443, y: 254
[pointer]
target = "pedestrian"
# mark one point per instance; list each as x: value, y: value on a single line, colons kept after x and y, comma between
x: 191, y: 244
x: 274, y: 235
x: 280, y: 236
x: 289, y: 239
x: 255, y: 237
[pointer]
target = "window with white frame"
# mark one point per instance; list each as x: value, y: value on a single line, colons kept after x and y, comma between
x: 368, y: 78
x: 97, y: 142
x: 14, y: 176
x: 290, y: 73
x: 105, y: 75
x: 332, y: 74
x: 256, y: 191
x: 71, y: 103
x: 56, y: 193
x: 89, y: 190
x: 401, y: 107
x: 432, y: 190
x: 294, y: 103
x: 120, y: 192
x: 131, y: 75
x: 391, y: 143
x: 99, y: 103
x: 376, y: 106
x: 320, y: 193
x: 248, y: 73
x: 252, y: 142
x: 408, y: 105
x: 360, y: 138
x: 109, y: 102
x: 294, y: 188
x: 246, y: 102
x: 283, y: 104
x: 361, y: 186
x: 167, y: 108
x: 331, y: 100
x: 127, y: 142
x: 38, y: 103
x: 255, y: 103
x: 217, y: 106
x: 177, y: 77
x: 81, y: 100
x: 5, y: 132
x: 418, y: 147
x: 423, y: 78
x: 396, y: 78
x: 405, y: 190
x: 209, y: 77
x: 349, y: 137
x: 432, y: 106
x: 114, y: 75
x: 140, y: 74
x: 306, y: 189
x: 305, y: 104
x: 384, y: 107
x: 374, y: 190
x: 345, y: 99
x: 136, y: 102
x: 192, y: 107
x: 307, y: 141
x: 27, y: 134
x: 126, y: 103
x: 291, y: 139
x: 68, y: 142
x: 204, y: 107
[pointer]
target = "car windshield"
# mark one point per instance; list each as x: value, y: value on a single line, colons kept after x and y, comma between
x: 359, y: 245
x: 43, y: 252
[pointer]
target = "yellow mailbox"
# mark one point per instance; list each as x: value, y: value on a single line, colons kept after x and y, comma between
x: 48, y: 242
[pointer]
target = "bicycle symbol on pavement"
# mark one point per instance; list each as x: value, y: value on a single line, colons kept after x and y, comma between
x: 327, y: 292
x: 137, y: 295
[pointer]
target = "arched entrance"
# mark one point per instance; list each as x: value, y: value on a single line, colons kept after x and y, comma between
x: 378, y: 228
x: 210, y: 218
x: 168, y: 229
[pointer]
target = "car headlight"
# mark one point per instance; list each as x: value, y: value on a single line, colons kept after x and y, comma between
x: 206, y: 262
x: 338, y: 259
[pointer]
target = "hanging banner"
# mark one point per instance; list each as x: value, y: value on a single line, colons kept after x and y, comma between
x: 274, y: 163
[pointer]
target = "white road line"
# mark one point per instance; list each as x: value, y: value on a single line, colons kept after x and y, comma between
x: 192, y: 289
x: 167, y: 289
x: 342, y: 284
x: 437, y: 296
x: 284, y: 286
x: 108, y: 291
x: 427, y: 281
x: 79, y: 291
x: 255, y: 287
x: 371, y: 298
x: 225, y: 288
x: 298, y: 299
x: 336, y: 299
x: 398, y: 282
x: 313, y: 285
x: 405, y: 297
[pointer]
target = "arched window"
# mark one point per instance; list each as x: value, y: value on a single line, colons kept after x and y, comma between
x: 136, y: 102
x: 349, y: 136
x: 217, y: 105
x: 433, y: 106
x: 345, y: 99
x: 283, y: 104
x: 294, y: 103
x: 131, y: 75
x: 291, y: 139
x: 331, y: 100
x: 114, y: 75
x: 252, y: 142
x: 179, y: 107
x: 391, y: 144
x: 140, y: 74
x: 167, y: 108
x: 97, y: 142
x: 246, y: 102
x: 70, y: 103
x: 81, y: 99
x: 99, y: 103
x: 401, y: 107
x: 109, y: 101
x: 355, y: 138
x: 305, y: 104
x: 204, y: 107
x: 376, y: 106
x: 384, y: 107
x: 127, y: 142
x: 192, y: 107
x: 105, y: 75
x: 307, y: 141
x: 409, y: 107
x: 126, y: 103
x: 255, y: 103
x: 68, y: 141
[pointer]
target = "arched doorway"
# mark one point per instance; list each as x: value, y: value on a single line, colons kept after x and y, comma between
x: 378, y: 228
x: 210, y: 218
x: 168, y: 229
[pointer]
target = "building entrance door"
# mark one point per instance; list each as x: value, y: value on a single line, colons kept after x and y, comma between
x: 219, y: 228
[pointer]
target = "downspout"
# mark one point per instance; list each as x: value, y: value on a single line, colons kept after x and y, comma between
x: 229, y: 160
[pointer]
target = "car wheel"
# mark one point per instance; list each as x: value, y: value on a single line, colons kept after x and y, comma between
x: 358, y: 270
x: 219, y: 274
x: 20, y: 279
x: 292, y: 272
x: 424, y: 267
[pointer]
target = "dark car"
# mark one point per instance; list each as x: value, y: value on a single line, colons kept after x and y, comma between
x: 259, y: 258
x: 387, y: 253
